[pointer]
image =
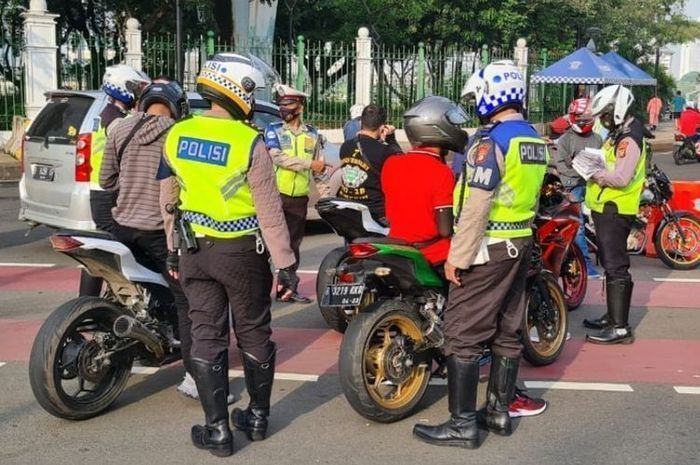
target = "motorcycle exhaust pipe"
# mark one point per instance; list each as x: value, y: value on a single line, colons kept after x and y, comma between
x: 128, y: 327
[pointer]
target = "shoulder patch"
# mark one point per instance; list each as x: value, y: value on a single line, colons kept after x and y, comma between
x: 482, y: 152
x: 621, y: 151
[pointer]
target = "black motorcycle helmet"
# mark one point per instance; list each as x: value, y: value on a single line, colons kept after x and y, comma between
x: 436, y: 122
x: 167, y: 92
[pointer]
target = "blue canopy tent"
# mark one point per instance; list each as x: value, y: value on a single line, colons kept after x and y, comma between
x: 581, y: 67
x: 637, y: 76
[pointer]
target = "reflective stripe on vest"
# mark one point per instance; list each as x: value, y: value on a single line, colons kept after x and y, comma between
x: 97, y: 149
x: 210, y: 158
x: 303, y: 145
x: 625, y: 198
x: 516, y: 196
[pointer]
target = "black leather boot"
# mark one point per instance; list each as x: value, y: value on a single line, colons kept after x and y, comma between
x: 619, y: 295
x: 258, y: 380
x: 212, y: 384
x: 597, y: 323
x: 460, y: 430
x: 499, y: 394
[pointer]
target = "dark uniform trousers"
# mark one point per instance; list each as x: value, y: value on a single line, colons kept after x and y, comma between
x: 150, y: 249
x: 612, y: 230
x: 295, y: 215
x: 101, y: 203
x: 489, y: 306
x: 223, y: 272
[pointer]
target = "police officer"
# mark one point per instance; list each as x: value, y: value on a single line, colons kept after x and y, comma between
x: 613, y: 196
x: 495, y: 203
x: 229, y: 200
x: 297, y: 152
x: 122, y: 84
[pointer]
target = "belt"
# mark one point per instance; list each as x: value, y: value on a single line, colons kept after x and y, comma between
x: 507, y: 225
x: 201, y: 238
x: 243, y: 224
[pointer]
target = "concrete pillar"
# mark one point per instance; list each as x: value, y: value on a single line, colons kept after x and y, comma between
x: 520, y: 55
x: 363, y: 67
x: 40, y: 64
x: 134, y: 53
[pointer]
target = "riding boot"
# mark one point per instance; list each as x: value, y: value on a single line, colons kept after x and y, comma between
x: 258, y: 379
x: 499, y: 394
x: 619, y: 295
x: 460, y: 430
x: 212, y: 385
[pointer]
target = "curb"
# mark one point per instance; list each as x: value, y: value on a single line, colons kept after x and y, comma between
x: 10, y: 169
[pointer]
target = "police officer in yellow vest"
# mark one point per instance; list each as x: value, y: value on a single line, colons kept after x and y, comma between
x: 297, y: 152
x: 229, y: 199
x: 495, y: 204
x: 613, y: 196
x: 122, y: 84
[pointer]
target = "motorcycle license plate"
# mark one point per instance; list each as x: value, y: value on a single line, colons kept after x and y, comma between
x: 43, y: 173
x: 343, y: 295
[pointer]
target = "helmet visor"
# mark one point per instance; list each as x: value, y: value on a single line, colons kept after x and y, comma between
x: 457, y: 116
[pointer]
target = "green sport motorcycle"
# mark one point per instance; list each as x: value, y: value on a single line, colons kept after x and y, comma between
x: 393, y: 344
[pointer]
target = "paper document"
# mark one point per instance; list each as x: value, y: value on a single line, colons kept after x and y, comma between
x: 588, y: 161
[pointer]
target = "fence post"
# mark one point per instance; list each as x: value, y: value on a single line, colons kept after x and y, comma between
x: 363, y: 67
x: 210, y: 44
x: 41, y: 67
x: 520, y: 53
x: 134, y: 52
x: 420, y: 88
x: 300, y: 63
x: 484, y: 55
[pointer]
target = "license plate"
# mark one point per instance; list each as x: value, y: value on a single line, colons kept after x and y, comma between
x: 43, y: 173
x: 343, y: 295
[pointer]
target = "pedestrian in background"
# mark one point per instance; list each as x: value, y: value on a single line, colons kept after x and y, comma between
x: 654, y: 110
x: 678, y: 105
x: 297, y: 153
x: 353, y: 125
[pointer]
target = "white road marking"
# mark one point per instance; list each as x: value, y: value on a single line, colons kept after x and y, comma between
x: 280, y: 376
x: 307, y: 271
x: 677, y: 280
x: 2, y: 364
x: 687, y: 389
x: 567, y: 385
x: 30, y: 265
x: 144, y: 370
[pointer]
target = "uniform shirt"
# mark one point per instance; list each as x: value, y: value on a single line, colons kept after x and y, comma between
x: 361, y: 162
x: 688, y: 122
x: 111, y: 114
x: 568, y: 145
x: 414, y: 185
x: 266, y: 197
x: 626, y: 158
x: 138, y: 203
x: 290, y: 162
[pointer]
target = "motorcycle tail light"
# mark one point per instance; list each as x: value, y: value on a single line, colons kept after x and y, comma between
x: 345, y: 277
x: 679, y: 137
x: 362, y: 250
x: 65, y: 243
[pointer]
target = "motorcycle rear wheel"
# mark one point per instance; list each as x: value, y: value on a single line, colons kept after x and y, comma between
x: 544, y: 328
x: 574, y: 277
x: 679, y: 253
x: 66, y: 352
x: 375, y: 365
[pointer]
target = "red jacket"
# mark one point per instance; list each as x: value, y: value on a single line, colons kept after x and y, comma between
x: 689, y: 122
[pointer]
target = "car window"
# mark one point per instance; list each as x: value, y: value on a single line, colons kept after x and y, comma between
x: 262, y: 119
x: 61, y: 118
x: 199, y: 106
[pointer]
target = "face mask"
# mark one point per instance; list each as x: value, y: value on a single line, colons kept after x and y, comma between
x: 288, y: 114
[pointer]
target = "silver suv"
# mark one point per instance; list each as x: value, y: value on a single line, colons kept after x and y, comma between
x: 55, y: 185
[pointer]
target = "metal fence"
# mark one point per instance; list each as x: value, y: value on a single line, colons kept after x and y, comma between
x: 82, y: 60
x: 11, y: 80
x: 546, y: 102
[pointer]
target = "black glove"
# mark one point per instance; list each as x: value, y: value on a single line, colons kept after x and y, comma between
x: 288, y: 278
x: 172, y: 262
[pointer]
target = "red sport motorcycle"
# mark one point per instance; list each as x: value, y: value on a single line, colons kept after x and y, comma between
x: 557, y: 222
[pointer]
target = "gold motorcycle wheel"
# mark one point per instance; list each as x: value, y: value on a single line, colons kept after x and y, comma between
x: 379, y: 374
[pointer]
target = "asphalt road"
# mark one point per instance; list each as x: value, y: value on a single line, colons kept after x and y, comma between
x: 642, y: 420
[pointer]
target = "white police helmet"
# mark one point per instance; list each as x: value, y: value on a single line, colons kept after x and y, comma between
x: 124, y: 83
x: 230, y: 80
x: 498, y: 85
x: 614, y: 99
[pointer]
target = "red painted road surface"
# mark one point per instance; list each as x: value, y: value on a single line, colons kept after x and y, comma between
x: 315, y: 351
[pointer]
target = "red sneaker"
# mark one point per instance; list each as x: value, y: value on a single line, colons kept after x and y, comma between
x: 525, y: 406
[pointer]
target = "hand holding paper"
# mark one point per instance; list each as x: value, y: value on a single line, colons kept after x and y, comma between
x: 588, y: 161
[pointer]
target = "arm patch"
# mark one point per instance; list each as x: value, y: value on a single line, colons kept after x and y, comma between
x: 482, y: 166
x: 271, y: 139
